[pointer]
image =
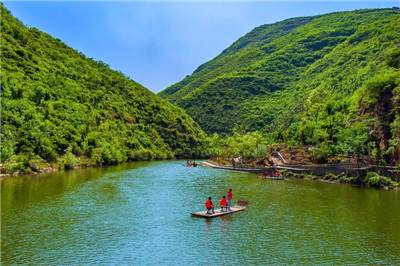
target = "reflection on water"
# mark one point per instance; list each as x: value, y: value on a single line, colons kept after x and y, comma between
x: 225, y: 221
x: 208, y: 225
x: 221, y: 223
x: 139, y: 213
x: 20, y: 190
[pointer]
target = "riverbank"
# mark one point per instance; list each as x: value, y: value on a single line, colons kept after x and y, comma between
x: 371, y: 179
x: 37, y: 171
x: 25, y: 166
x: 39, y: 167
x: 309, y: 172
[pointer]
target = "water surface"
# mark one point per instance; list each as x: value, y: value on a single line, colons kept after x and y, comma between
x: 139, y: 213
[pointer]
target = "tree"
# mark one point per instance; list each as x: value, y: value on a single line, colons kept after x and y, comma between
x: 354, y: 140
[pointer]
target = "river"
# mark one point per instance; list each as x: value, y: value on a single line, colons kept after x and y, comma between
x: 139, y: 213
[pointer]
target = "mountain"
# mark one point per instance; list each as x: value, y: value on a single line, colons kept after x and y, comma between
x: 281, y: 74
x: 57, y: 102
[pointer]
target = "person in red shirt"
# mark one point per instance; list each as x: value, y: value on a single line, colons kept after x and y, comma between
x: 209, y: 206
x: 223, y: 204
x: 230, y: 195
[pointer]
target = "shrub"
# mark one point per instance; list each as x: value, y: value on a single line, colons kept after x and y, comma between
x: 330, y: 176
x: 96, y: 156
x: 376, y: 87
x: 377, y: 180
x: 69, y: 159
x: 373, y: 178
x: 142, y: 155
x: 14, y: 167
x: 345, y: 179
x: 260, y: 151
x: 322, y: 152
x: 394, y: 59
x: 18, y: 163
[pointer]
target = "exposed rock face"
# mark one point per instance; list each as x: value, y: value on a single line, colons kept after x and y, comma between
x: 276, y: 160
x: 381, y: 112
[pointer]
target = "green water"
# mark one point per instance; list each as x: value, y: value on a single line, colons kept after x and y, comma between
x: 139, y: 213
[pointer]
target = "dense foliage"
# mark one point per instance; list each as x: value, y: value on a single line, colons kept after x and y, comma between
x: 330, y: 81
x: 58, y: 105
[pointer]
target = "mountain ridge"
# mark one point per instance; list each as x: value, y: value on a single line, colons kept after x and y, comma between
x: 311, y: 41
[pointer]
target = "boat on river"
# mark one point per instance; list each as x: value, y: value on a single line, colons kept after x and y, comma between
x: 261, y: 175
x: 240, y: 206
x: 191, y: 164
x: 274, y: 177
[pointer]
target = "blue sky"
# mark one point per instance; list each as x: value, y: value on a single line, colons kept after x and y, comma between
x: 158, y: 43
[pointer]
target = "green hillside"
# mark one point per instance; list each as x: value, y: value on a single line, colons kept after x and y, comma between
x: 330, y: 81
x: 263, y: 79
x: 57, y: 104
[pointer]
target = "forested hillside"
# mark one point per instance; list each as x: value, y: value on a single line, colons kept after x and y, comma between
x: 329, y: 80
x: 57, y: 104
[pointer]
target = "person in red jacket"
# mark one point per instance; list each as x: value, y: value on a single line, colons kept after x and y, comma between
x: 209, y: 206
x: 223, y: 204
x: 230, y: 195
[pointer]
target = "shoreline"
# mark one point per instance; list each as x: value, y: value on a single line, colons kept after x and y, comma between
x: 44, y: 171
x: 301, y: 173
x: 54, y: 168
x: 288, y: 172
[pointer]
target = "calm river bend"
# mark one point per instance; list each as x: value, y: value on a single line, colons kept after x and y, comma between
x: 139, y: 213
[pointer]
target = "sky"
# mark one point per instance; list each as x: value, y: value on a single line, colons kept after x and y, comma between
x: 158, y: 43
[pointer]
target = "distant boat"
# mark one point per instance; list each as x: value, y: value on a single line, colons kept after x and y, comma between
x: 273, y: 176
x: 240, y: 206
x: 191, y: 164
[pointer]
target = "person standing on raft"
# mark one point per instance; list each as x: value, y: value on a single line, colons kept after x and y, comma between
x: 230, y: 195
x: 209, y: 206
x: 223, y: 204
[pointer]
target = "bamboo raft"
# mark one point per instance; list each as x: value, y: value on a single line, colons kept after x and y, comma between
x: 271, y: 177
x: 240, y: 206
